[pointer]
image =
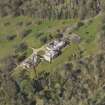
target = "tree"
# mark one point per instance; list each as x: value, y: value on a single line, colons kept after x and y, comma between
x: 68, y: 66
x: 48, y: 9
x: 82, y: 10
x: 103, y: 6
x: 102, y: 33
x: 21, y: 47
x: 102, y: 40
x: 44, y: 39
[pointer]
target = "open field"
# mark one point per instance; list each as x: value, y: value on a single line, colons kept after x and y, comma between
x: 16, y: 26
x: 88, y: 33
x: 89, y: 43
x: 52, y: 52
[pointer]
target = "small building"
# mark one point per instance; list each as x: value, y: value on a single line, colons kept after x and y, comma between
x: 49, y: 55
x: 30, y: 62
x: 53, y: 49
x: 56, y: 45
x: 26, y: 64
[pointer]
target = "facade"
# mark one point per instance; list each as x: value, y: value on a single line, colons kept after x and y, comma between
x: 53, y: 49
x: 26, y: 64
x: 56, y: 45
x: 30, y: 62
x: 49, y: 55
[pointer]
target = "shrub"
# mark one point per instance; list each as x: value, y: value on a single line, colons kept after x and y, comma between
x: 26, y: 33
x: 21, y: 56
x: 59, y: 35
x: 80, y: 24
x: 87, y: 32
x: 21, y: 47
x: 28, y: 23
x: 10, y: 37
x: 50, y: 37
x: 90, y: 21
x: 44, y: 39
x: 63, y: 22
x: 20, y: 23
x: 39, y: 22
x: 7, y: 23
x: 67, y: 66
x: 39, y: 34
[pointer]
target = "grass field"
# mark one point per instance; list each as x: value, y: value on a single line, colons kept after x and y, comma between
x: 88, y: 33
x: 88, y: 43
x: 15, y: 26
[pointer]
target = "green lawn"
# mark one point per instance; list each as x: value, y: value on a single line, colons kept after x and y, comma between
x: 16, y: 26
x: 89, y: 43
x: 67, y: 53
x: 87, y: 32
x: 60, y: 60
